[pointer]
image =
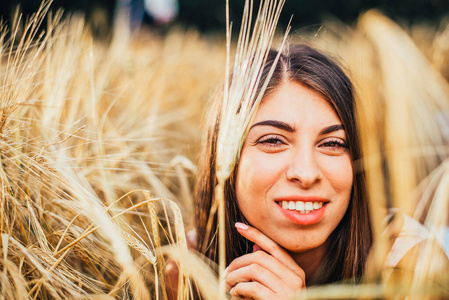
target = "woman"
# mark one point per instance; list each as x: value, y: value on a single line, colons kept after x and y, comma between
x: 295, y: 193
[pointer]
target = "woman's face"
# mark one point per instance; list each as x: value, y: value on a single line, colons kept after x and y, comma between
x: 294, y: 177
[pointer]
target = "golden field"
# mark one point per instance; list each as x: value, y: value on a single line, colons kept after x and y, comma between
x: 99, y: 143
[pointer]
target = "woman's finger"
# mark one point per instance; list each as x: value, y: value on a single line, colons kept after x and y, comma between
x: 257, y: 248
x: 253, y: 290
x: 268, y: 262
x: 269, y: 246
x: 254, y: 272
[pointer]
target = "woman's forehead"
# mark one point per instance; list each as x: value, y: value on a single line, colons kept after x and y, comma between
x: 295, y: 103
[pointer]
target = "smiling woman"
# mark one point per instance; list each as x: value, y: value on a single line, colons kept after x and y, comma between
x: 295, y: 193
x: 295, y: 174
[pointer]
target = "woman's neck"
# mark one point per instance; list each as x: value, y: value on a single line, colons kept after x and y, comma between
x: 310, y: 260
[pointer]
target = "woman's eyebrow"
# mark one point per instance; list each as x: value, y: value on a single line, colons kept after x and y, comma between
x: 278, y: 124
x: 331, y: 128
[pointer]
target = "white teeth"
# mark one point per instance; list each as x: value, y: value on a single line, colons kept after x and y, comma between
x: 302, y: 207
x: 308, y: 206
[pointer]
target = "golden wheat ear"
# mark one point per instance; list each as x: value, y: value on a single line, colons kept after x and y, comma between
x: 241, y: 95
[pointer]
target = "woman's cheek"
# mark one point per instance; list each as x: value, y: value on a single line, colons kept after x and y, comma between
x: 338, y: 171
x: 257, y: 173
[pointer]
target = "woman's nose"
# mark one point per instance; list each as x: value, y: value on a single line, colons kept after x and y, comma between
x: 304, y: 168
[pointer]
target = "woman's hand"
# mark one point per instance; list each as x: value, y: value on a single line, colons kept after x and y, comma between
x: 267, y: 274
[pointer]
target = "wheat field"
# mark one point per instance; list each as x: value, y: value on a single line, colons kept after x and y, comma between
x: 99, y: 143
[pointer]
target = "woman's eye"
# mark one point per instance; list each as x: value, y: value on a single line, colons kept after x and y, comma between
x: 271, y: 141
x: 334, y: 145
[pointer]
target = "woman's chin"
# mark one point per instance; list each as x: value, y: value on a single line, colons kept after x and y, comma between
x: 304, y: 247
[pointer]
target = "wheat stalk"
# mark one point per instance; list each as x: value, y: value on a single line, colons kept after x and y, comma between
x: 240, y: 96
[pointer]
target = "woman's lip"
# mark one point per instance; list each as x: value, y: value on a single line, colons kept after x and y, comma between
x: 302, y: 198
x: 299, y: 218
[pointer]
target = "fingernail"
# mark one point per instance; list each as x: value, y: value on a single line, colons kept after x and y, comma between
x: 241, y: 226
x: 232, y: 291
x: 225, y: 273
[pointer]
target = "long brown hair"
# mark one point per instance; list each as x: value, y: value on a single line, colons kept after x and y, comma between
x: 351, y: 241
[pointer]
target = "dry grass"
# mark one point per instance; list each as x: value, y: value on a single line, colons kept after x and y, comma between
x: 241, y: 98
x: 87, y: 128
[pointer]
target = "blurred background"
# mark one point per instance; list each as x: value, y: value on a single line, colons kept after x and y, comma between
x: 101, y: 118
x: 209, y: 15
